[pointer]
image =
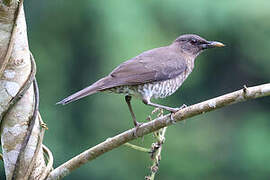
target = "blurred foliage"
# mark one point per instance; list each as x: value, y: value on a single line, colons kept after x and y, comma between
x: 76, y: 43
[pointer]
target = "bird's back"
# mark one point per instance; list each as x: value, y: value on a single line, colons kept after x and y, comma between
x: 157, y: 72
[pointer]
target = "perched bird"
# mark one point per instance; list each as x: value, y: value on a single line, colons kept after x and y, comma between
x: 154, y: 73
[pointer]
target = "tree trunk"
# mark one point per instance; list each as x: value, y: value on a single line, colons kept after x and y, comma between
x: 15, y: 120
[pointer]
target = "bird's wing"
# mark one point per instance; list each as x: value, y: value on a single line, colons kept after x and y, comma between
x: 155, y: 65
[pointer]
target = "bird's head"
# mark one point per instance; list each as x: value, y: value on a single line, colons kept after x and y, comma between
x: 193, y: 44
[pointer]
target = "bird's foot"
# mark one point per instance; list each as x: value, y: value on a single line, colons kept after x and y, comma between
x: 183, y: 106
x: 137, y: 125
x: 173, y: 111
x: 171, y: 118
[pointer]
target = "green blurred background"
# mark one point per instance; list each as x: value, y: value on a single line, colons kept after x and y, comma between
x: 77, y: 42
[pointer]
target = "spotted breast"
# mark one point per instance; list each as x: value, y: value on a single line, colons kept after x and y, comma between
x: 159, y: 89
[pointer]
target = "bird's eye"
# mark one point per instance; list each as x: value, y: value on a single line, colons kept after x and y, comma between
x: 193, y: 41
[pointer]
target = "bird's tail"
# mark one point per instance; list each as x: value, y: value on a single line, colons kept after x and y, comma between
x: 78, y: 95
x: 94, y: 88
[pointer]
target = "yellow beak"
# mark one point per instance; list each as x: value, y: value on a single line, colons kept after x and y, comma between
x: 216, y: 44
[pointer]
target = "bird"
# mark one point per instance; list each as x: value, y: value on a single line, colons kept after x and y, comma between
x: 155, y: 73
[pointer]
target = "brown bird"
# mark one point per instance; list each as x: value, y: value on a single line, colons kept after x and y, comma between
x: 155, y: 73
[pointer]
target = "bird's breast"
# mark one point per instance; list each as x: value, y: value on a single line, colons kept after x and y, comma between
x: 162, y: 89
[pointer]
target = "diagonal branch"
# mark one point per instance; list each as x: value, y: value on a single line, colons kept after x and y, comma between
x: 190, y: 111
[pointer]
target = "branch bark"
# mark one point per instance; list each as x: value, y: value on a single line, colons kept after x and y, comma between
x: 188, y: 112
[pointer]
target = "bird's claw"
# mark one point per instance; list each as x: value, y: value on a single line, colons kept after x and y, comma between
x: 137, y: 125
x: 171, y: 118
x: 173, y: 111
x: 183, y: 106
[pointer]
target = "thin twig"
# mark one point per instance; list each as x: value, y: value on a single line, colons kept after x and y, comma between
x: 47, y: 153
x: 139, y: 148
x: 156, y: 147
x: 29, y: 129
x: 156, y: 154
x: 41, y: 133
x: 146, y: 128
x: 11, y: 40
x: 49, y: 166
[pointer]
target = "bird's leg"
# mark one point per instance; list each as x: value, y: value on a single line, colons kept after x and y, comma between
x: 172, y: 110
x: 148, y: 102
x: 128, y: 99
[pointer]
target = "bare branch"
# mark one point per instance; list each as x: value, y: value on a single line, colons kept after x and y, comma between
x: 190, y: 111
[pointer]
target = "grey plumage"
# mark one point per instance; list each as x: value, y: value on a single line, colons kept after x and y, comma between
x: 155, y: 73
x: 145, y: 68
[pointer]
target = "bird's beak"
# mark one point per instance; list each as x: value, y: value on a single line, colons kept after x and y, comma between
x: 216, y: 44
x: 212, y: 44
